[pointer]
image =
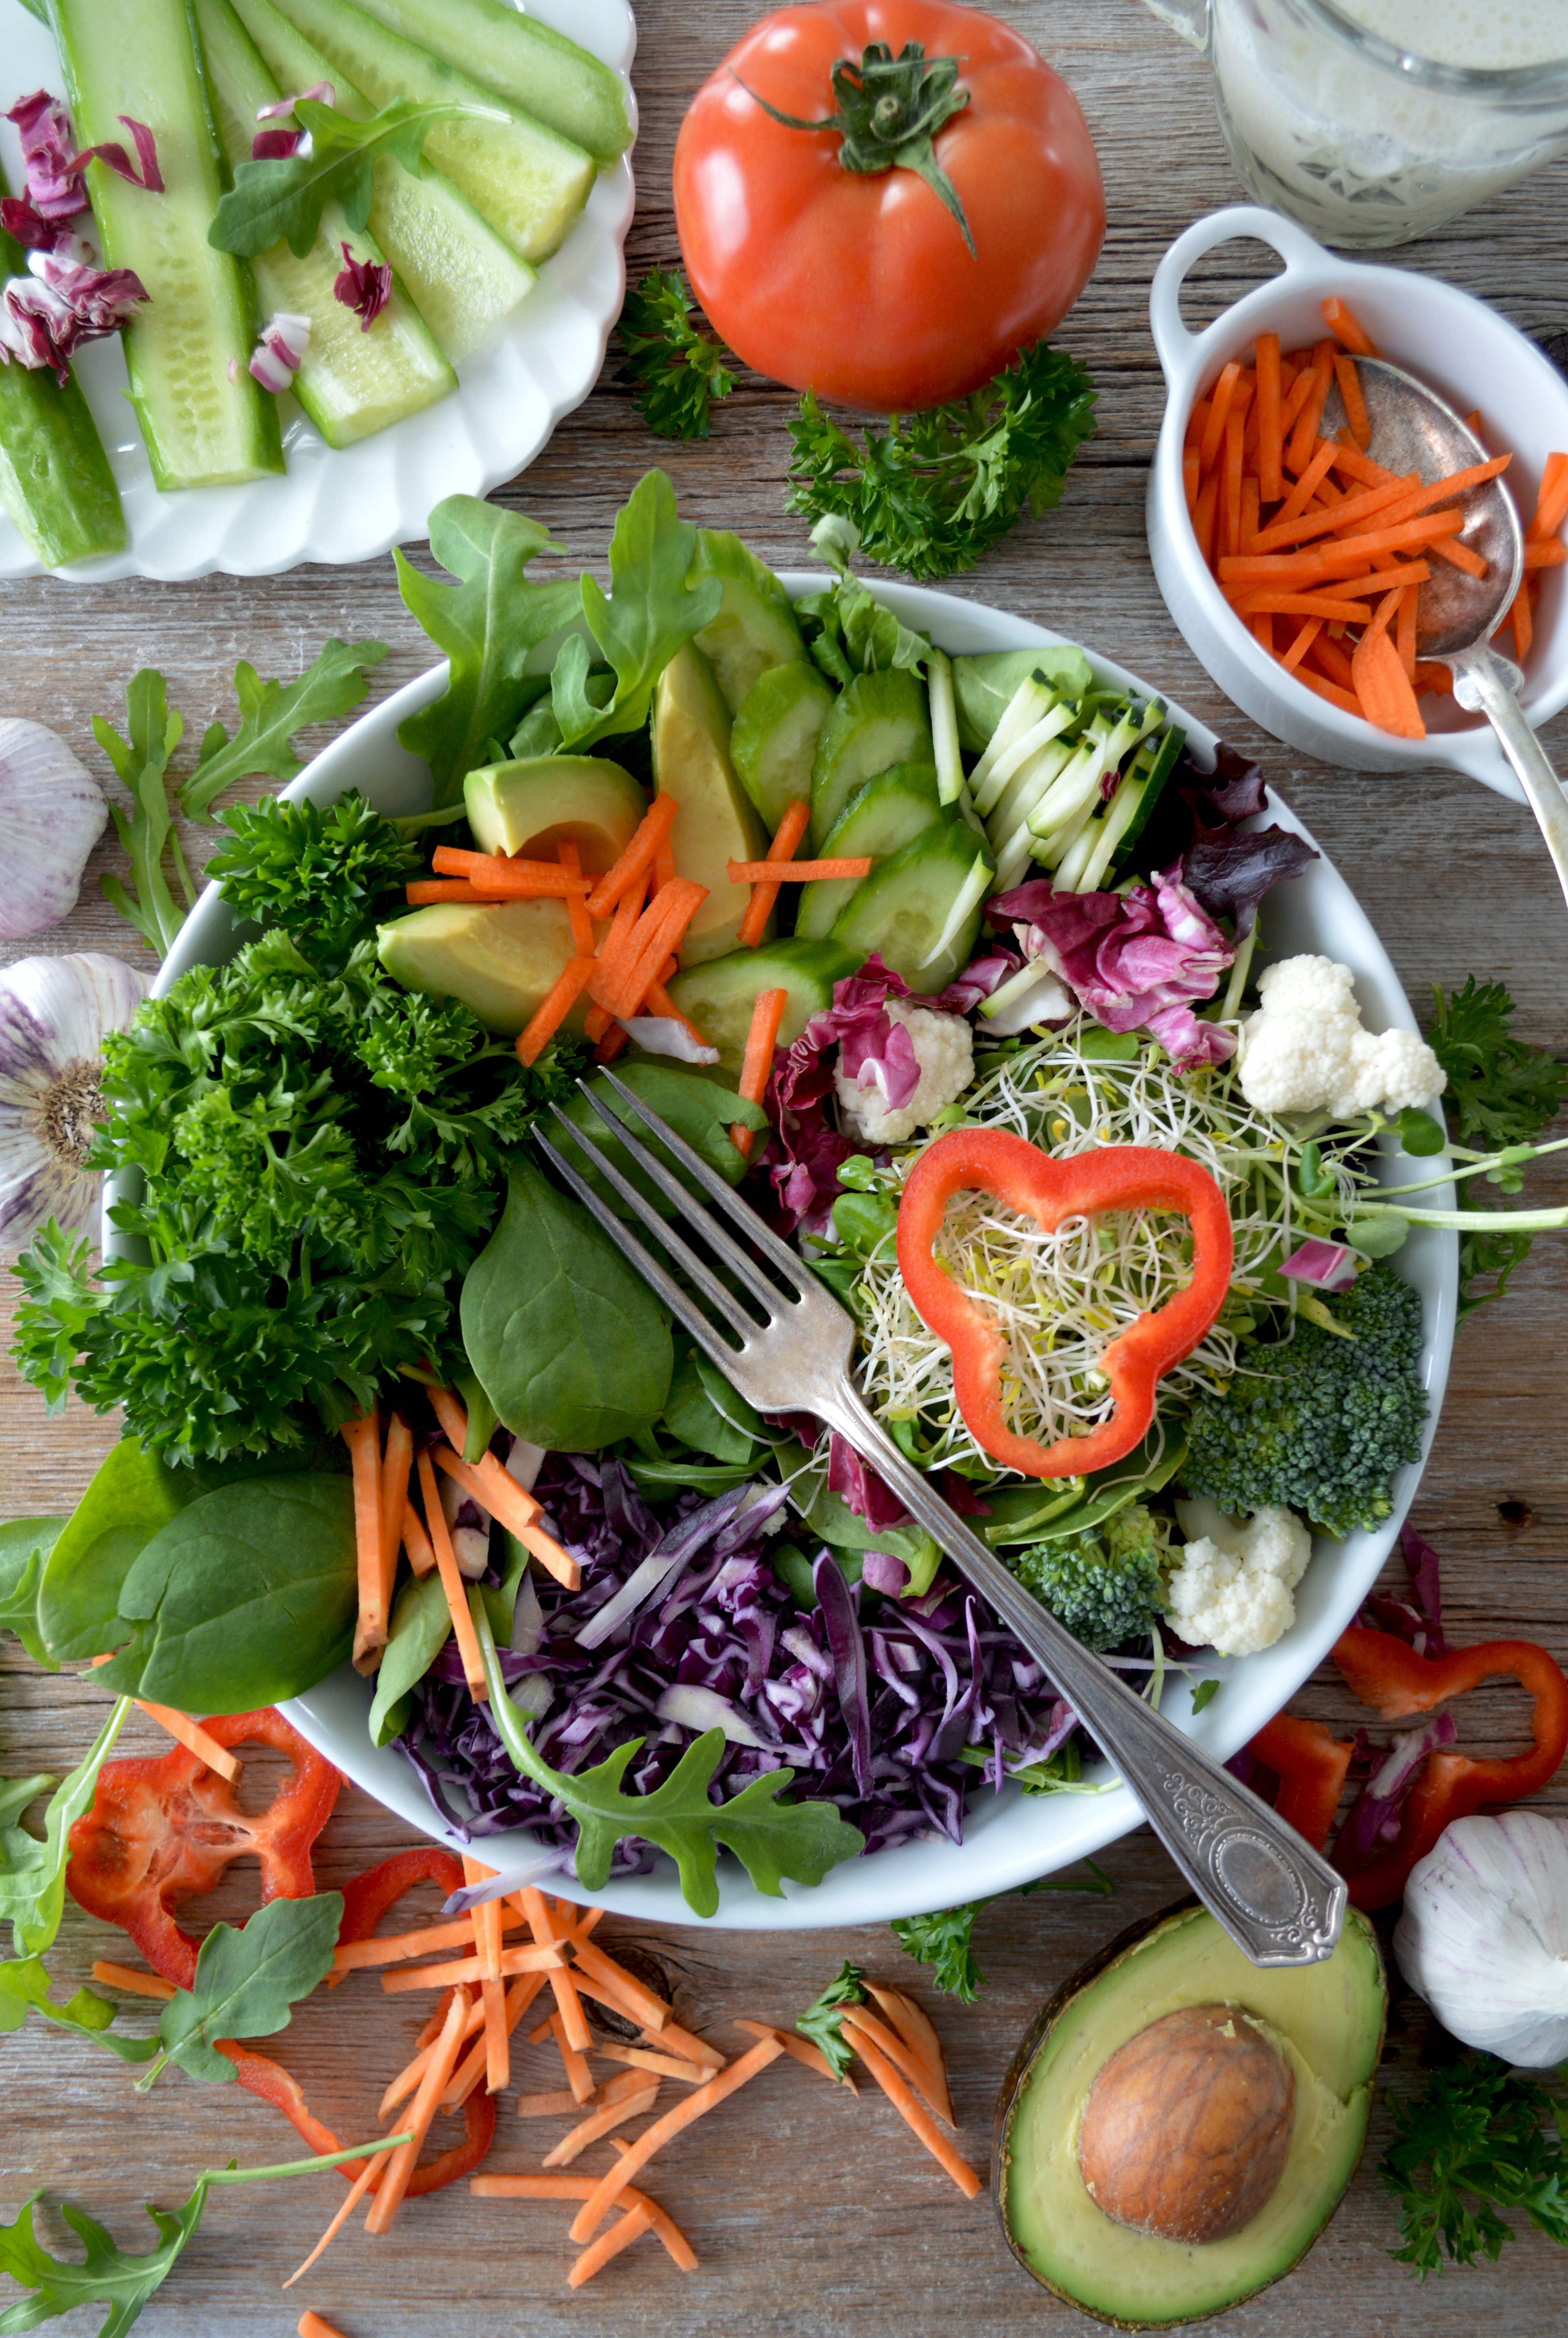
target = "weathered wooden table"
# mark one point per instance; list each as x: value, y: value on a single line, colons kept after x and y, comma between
x: 813, y: 2213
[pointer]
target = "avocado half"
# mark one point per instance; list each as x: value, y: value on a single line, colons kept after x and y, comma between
x: 1328, y: 2018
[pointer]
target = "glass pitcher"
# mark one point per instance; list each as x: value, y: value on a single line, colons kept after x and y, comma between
x: 1332, y: 115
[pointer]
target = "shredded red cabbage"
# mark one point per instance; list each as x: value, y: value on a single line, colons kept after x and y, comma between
x: 869, y: 1700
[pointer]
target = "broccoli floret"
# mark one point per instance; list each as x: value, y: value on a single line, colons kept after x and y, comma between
x: 1104, y: 1582
x: 1321, y: 1423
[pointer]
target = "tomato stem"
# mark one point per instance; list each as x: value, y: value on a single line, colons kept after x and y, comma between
x: 889, y: 109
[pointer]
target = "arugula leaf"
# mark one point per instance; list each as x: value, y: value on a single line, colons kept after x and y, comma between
x: 271, y: 714
x: 32, y: 1881
x: 771, y: 1839
x: 1501, y: 1092
x: 823, y: 2020
x: 146, y: 833
x: 936, y: 490
x: 282, y: 198
x: 249, y: 1980
x: 1482, y: 2139
x: 24, y: 1987
x: 648, y: 615
x: 488, y: 622
x: 25, y: 1547
x: 676, y: 371
x: 1205, y: 1693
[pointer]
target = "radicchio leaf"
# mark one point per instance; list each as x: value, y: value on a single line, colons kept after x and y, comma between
x: 1229, y: 871
x: 365, y: 286
x: 855, y: 1483
x: 1326, y: 1265
x: 278, y: 355
x: 53, y: 185
x: 47, y: 314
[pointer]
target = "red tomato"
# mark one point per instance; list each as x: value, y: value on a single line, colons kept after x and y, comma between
x: 861, y: 287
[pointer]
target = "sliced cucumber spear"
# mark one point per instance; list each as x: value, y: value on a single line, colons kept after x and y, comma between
x: 537, y: 70
x: 55, y: 484
x: 206, y: 422
x: 529, y: 182
x: 1106, y: 840
x: 460, y: 275
x: 352, y: 380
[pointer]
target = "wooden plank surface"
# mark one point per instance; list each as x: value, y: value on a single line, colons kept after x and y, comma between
x: 812, y: 2213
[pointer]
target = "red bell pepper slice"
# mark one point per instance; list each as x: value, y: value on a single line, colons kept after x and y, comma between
x: 164, y: 1830
x: 1116, y: 1178
x: 1395, y: 1681
x: 260, y: 2076
x: 1311, y: 1766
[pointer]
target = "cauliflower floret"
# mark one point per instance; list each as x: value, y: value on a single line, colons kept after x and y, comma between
x: 1305, y: 1050
x: 1233, y: 1588
x: 944, y: 1048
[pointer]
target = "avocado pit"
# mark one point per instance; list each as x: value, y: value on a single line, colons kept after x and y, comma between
x: 1187, y: 2127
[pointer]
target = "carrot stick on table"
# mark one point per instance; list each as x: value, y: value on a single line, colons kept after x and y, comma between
x: 580, y: 2188
x: 756, y: 1067
x: 862, y: 2023
x: 801, y: 2049
x: 600, y: 2122
x: 916, y: 2117
x: 363, y: 1439
x: 547, y: 1930
x: 422, y: 2112
x: 913, y: 2026
x: 626, y: 2229
x: 705, y: 2099
x: 618, y: 1986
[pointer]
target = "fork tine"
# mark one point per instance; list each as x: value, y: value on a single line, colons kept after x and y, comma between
x: 723, y: 1301
x: 739, y: 1213
x: 712, y: 1232
x: 656, y: 1276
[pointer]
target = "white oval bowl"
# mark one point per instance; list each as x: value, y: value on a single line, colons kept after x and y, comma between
x: 352, y: 503
x: 1009, y: 1839
x: 1469, y: 355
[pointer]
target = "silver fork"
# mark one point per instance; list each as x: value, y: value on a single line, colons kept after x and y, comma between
x: 787, y: 1347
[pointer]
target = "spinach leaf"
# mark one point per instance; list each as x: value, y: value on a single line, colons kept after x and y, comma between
x: 830, y: 1517
x: 33, y: 1872
x: 572, y: 1346
x: 706, y: 1413
x: 24, y: 1544
x: 700, y: 1110
x: 771, y: 1839
x: 648, y: 615
x: 487, y: 622
x: 421, y: 1627
x: 246, y: 1597
x: 24, y: 1987
x: 130, y: 1496
x: 249, y: 1980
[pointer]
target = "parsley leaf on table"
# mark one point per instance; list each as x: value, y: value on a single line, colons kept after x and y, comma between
x: 282, y: 198
x: 676, y: 371
x: 1502, y: 1091
x: 935, y: 490
x: 944, y: 1940
x: 1482, y: 2139
x: 823, y: 2020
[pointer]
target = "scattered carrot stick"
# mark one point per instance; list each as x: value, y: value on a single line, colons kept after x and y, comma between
x: 363, y: 1439
x: 914, y: 2026
x: 599, y: 2122
x: 520, y: 1995
x: 401, y: 2162
x: 916, y: 2117
x: 863, y: 2023
x: 626, y: 2229
x: 496, y: 870
x: 580, y: 2188
x: 534, y: 1957
x: 798, y: 872
x: 641, y: 2057
x: 548, y: 2105
x: 127, y: 1977
x: 629, y: 1994
x: 554, y: 1008
x: 398, y: 1948
x: 497, y: 2046
x: 356, y: 2191
x: 191, y: 1735
x: 484, y: 1918
x: 547, y: 1929
x: 792, y: 827
x: 1346, y: 327
x: 660, y: 929
x: 705, y: 2099
x: 800, y: 2049
x: 312, y: 2325
x: 681, y: 2042
x: 579, y: 2077
x: 453, y: 1585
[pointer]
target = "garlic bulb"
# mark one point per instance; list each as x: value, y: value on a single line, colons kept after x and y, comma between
x: 1484, y: 1935
x: 51, y: 814
x: 54, y: 1014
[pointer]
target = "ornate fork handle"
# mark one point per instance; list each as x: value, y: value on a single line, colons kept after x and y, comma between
x: 1280, y: 1901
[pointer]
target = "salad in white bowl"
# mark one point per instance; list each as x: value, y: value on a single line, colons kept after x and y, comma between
x: 405, y: 1435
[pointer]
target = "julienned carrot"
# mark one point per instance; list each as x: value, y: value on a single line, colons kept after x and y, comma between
x: 1231, y: 481
x: 421, y: 891
x: 546, y: 1957
x: 579, y: 2077
x: 1328, y: 562
x: 637, y: 2001
x: 452, y: 1584
x: 496, y: 869
x: 1381, y: 618
x: 520, y: 1996
x: 1522, y: 621
x: 1457, y: 554
x: 1405, y: 624
x: 568, y: 854
x: 1349, y: 460
x: 1384, y: 689
x: 1302, y: 524
x: 396, y: 1465
x: 1356, y: 419
x: 792, y: 827
x: 554, y: 1008
x: 363, y: 1439
x: 690, y: 2048
x: 862, y: 2023
x: 1331, y: 659
x: 1207, y: 505
x: 797, y: 873
x: 192, y: 1735
x: 1294, y: 507
x: 800, y: 2049
x: 620, y: 983
x: 589, y: 2217
x: 1303, y: 438
x: 626, y: 2229
x: 312, y: 2325
x: 1271, y: 439
x: 1346, y: 327
x: 1430, y: 677
x: 492, y: 1488
x: 580, y: 2188
x: 400, y: 1948
x: 1552, y: 503
x: 1290, y: 658
x: 357, y: 2192
x: 421, y: 1550
x: 484, y: 1918
x: 400, y: 2166
x: 498, y: 2049
x: 1224, y: 390
x: 1346, y: 700
x: 647, y: 839
x: 135, y: 1984
x: 599, y: 2122
x: 1421, y: 498
x: 656, y: 2065
x: 916, y: 2117
x: 756, y: 1065
x: 547, y: 1930
x: 1544, y: 552
x: 913, y: 2026
x: 560, y: 2104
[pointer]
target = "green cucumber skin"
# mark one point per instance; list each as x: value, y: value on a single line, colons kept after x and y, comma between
x: 206, y: 422
x: 461, y: 276
x: 527, y: 181
x: 351, y: 382
x: 55, y: 484
x: 530, y: 66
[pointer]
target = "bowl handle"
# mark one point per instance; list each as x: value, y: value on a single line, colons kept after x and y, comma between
x: 1180, y: 351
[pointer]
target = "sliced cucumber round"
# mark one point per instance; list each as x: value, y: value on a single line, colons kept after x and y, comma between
x: 774, y: 742
x: 755, y: 630
x: 922, y: 907
x: 886, y: 813
x: 718, y: 997
x: 880, y: 720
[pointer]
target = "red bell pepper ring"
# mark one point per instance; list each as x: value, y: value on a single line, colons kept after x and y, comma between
x: 260, y: 2076
x: 1395, y: 1681
x: 1311, y: 1766
x: 1116, y: 1178
x: 367, y: 1899
x: 164, y: 1830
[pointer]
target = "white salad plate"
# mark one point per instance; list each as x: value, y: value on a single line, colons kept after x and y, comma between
x: 353, y: 502
x: 1009, y: 1838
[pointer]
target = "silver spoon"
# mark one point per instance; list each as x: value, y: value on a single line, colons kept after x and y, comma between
x: 1413, y: 430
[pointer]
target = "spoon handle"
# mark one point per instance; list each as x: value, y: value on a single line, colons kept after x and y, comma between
x: 1481, y: 684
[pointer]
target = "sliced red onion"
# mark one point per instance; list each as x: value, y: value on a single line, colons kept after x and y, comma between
x: 320, y: 93
x: 881, y: 1571
x: 659, y: 1034
x: 694, y: 1707
x: 282, y: 145
x: 1328, y: 1266
x: 277, y: 357
x: 365, y: 286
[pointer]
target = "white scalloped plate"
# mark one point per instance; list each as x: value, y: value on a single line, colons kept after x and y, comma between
x: 353, y: 502
x: 1008, y: 1838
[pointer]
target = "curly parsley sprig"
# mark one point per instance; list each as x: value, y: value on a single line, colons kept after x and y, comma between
x: 1482, y: 2139
x: 676, y: 372
x: 1502, y: 1091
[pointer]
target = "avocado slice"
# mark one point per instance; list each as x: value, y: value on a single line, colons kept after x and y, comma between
x: 755, y: 629
x: 532, y: 807
x: 1326, y: 2018
x: 715, y: 823
x: 498, y: 957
